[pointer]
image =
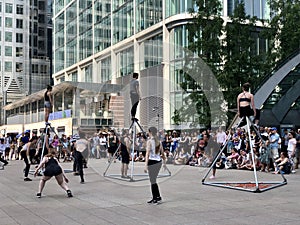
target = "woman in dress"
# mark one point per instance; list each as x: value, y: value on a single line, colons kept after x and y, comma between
x: 153, y: 163
x: 52, y: 168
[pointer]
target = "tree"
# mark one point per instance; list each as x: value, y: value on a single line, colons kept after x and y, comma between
x: 203, y: 36
x: 242, y: 63
x: 285, y: 28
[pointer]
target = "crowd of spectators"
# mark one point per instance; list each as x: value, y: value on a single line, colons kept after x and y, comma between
x: 180, y: 147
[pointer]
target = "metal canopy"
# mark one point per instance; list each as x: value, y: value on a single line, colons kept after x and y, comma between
x: 92, y: 87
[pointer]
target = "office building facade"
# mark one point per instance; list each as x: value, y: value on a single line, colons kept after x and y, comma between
x: 24, y: 55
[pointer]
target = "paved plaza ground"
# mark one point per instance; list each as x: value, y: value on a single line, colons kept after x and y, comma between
x: 102, y: 200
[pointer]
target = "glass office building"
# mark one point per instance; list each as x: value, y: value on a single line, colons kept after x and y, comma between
x: 107, y: 40
x: 24, y: 56
x: 98, y: 42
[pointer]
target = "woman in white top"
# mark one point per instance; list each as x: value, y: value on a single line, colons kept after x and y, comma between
x: 153, y: 163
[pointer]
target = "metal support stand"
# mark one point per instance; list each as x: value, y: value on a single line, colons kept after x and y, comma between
x: 132, y: 176
x: 245, y: 186
x: 48, y: 126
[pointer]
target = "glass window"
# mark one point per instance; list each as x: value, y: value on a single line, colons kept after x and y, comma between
x: 102, y: 9
x: 9, y: 8
x: 174, y: 7
x: 20, y: 9
x: 123, y: 22
x: 8, y: 51
x: 149, y: 12
x: 102, y: 34
x: 125, y: 62
x: 0, y: 6
x: 153, y: 52
x: 19, y: 23
x: 19, y: 37
x: 19, y: 67
x: 8, y: 22
x: 8, y: 36
x: 74, y: 76
x: 88, y: 74
x: 106, y: 70
x: 8, y: 66
x: 0, y: 21
x: 71, y: 49
x: 85, y: 44
x: 19, y: 51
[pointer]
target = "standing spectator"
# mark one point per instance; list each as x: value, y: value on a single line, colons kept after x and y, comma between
x: 285, y: 137
x: 112, y: 145
x: 52, y: 168
x: 95, y: 146
x: 125, y: 152
x: 221, y: 137
x: 2, y: 152
x: 274, y: 138
x: 297, y: 153
x: 153, y: 163
x: 7, y: 149
x: 25, y: 154
x: 291, y: 149
x: 103, y: 145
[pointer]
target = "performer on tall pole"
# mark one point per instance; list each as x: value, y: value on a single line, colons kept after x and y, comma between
x: 48, y: 103
x: 245, y: 104
x: 134, y: 94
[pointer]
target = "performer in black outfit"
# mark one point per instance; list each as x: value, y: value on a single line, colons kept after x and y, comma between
x: 153, y: 163
x: 245, y: 103
x: 25, y: 154
x: 52, y: 168
x: 134, y: 94
x: 81, y: 153
x: 48, y: 103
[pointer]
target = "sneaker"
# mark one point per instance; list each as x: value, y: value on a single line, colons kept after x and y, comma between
x: 159, y: 199
x: 39, y: 195
x: 293, y: 171
x: 69, y: 193
x: 27, y: 179
x: 82, y: 182
x: 212, y: 177
x: 155, y: 202
x: 151, y: 201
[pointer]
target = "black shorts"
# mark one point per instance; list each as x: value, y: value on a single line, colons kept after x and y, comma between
x: 51, y: 171
x: 246, y: 111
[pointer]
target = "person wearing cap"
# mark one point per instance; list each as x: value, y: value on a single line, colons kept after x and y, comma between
x: 274, y: 145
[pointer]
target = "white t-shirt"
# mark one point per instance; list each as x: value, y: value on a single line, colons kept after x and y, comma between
x: 291, y: 144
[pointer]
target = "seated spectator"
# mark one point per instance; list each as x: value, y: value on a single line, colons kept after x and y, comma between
x: 181, y: 158
x: 242, y: 159
x: 231, y: 160
x: 264, y: 157
x: 140, y: 158
x: 283, y: 163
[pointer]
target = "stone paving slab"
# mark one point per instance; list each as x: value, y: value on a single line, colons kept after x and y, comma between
x: 104, y: 200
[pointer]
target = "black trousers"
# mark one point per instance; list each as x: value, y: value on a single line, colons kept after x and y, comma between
x: 134, y: 101
x: 78, y: 164
x: 27, y: 163
x: 2, y: 160
x: 153, y: 170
